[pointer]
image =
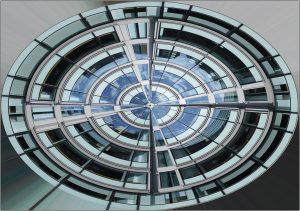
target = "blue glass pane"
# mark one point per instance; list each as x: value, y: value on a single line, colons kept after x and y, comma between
x: 122, y: 82
x: 203, y: 74
x: 141, y: 113
x: 226, y: 97
x: 140, y: 51
x: 96, y: 109
x: 182, y: 85
x: 140, y: 99
x: 158, y: 138
x: 157, y: 75
x: 177, y: 128
x: 110, y: 92
x: 158, y: 97
x: 131, y: 132
x: 188, y: 119
x: 144, y: 71
x: 189, y: 93
x: 120, y: 58
x: 84, y: 82
x: 217, y: 85
x: 132, y: 77
x: 115, y: 123
x: 160, y: 111
x: 195, y: 100
x: 192, y: 110
x: 167, y: 133
x: 77, y: 97
x: 183, y: 60
x: 169, y: 78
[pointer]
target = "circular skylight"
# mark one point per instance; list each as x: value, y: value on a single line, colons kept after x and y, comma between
x: 152, y: 105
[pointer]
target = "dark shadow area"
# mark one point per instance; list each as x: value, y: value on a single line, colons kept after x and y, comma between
x: 276, y: 189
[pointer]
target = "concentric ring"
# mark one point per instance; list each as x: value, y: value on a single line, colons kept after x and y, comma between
x: 151, y: 105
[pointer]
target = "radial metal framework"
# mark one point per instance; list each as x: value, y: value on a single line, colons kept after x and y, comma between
x: 149, y: 105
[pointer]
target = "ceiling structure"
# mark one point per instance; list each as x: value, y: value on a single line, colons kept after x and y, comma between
x: 149, y: 105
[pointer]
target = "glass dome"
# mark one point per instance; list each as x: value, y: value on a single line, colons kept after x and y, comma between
x: 149, y: 105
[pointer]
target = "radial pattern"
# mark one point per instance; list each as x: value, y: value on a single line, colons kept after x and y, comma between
x: 151, y: 105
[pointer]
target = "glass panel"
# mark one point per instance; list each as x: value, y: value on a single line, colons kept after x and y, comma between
x: 97, y: 19
x: 105, y: 171
x: 18, y: 123
x: 15, y: 106
x: 32, y: 61
x: 72, y: 153
x: 141, y: 51
x: 137, y: 30
x: 168, y: 179
x: 18, y: 87
x: 125, y: 198
x: 118, y: 152
x: 174, y: 13
x: 190, y: 172
x: 258, y: 94
x: 64, y: 33
x: 70, y: 111
x: 159, y: 140
x: 164, y: 159
x: 57, y: 72
x: 39, y: 113
x: 55, y: 135
x: 140, y: 156
x: 230, y: 56
x: 226, y: 97
x: 212, y: 20
x: 134, y: 177
x: 201, y: 39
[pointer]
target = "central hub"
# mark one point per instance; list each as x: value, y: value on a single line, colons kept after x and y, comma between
x: 150, y: 105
